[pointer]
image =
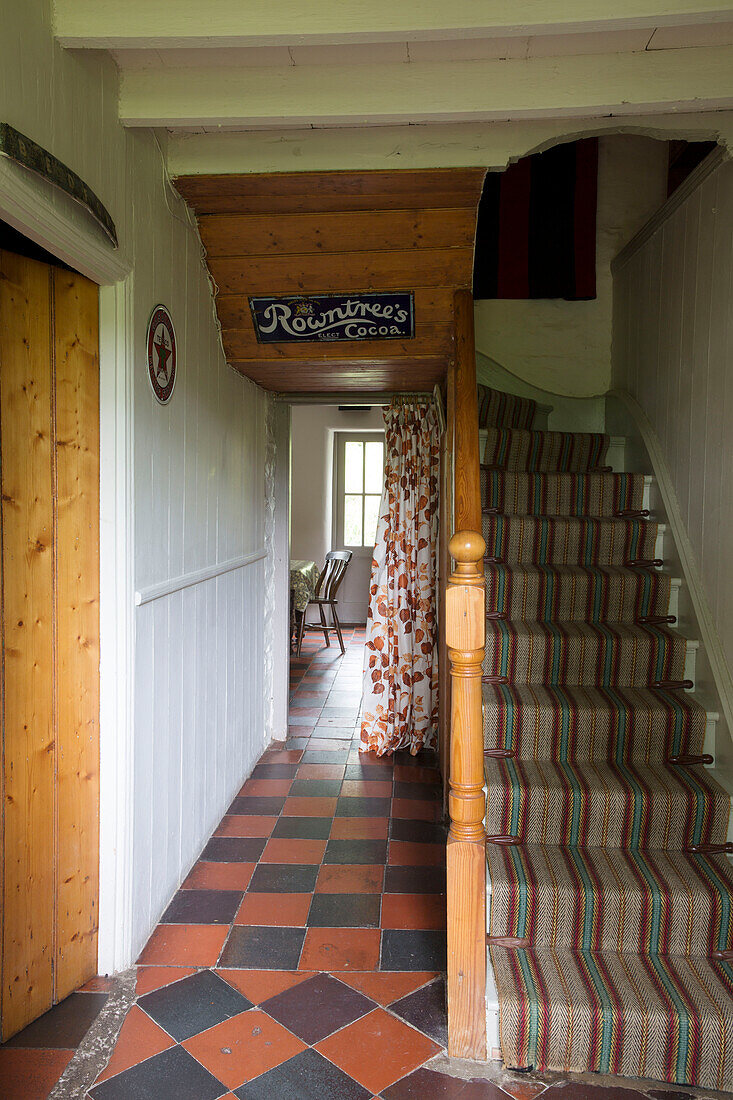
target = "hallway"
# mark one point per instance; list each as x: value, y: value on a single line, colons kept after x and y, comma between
x: 303, y: 957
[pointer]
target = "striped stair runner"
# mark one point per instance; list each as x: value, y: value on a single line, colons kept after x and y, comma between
x: 614, y: 912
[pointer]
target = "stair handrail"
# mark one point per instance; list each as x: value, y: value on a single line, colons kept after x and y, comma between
x: 465, y: 637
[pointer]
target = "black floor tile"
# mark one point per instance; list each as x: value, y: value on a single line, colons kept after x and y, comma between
x: 258, y: 948
x: 316, y: 788
x: 193, y: 1004
x: 410, y: 950
x: 344, y: 911
x: 369, y: 771
x: 174, y: 1073
x: 426, y: 1010
x: 303, y: 828
x: 203, y: 907
x: 308, y: 1076
x: 324, y: 756
x: 422, y: 792
x: 63, y: 1026
x: 283, y: 878
x: 427, y: 1084
x: 422, y: 832
x: 233, y: 849
x: 318, y: 1007
x: 356, y: 851
x: 414, y: 880
x: 427, y: 758
x: 264, y: 805
x: 363, y: 807
x: 274, y: 771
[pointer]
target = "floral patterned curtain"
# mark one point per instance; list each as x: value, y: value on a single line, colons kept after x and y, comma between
x: 400, y: 705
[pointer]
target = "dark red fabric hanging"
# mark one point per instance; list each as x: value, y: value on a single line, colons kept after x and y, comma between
x: 536, y: 230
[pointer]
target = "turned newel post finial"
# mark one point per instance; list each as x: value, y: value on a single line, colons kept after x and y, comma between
x: 467, y: 548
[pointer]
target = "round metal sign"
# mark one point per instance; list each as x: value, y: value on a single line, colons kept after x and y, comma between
x: 161, y: 354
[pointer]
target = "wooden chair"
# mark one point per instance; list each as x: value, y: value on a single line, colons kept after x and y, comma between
x: 325, y: 596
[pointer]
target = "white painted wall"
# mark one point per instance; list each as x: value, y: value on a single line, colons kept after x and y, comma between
x: 673, y: 341
x: 311, y: 517
x: 565, y: 347
x: 197, y: 489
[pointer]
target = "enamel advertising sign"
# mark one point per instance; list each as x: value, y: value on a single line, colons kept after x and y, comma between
x: 162, y: 355
x: 319, y: 318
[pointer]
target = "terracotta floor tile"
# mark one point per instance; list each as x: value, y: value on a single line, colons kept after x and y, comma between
x: 260, y: 985
x: 286, y: 850
x: 359, y: 828
x: 416, y: 810
x: 416, y: 775
x: 31, y: 1074
x: 243, y: 1047
x: 339, y: 878
x: 403, y: 853
x: 240, y: 825
x: 384, y: 988
x: 285, y: 910
x: 401, y: 1049
x: 265, y: 787
x: 321, y: 771
x: 99, y: 984
x: 366, y: 788
x: 413, y: 911
x: 309, y: 807
x: 185, y: 944
x: 155, y: 977
x: 282, y: 756
x: 139, y: 1038
x: 208, y: 875
x: 340, y: 949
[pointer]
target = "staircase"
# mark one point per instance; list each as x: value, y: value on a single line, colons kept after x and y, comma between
x: 610, y: 893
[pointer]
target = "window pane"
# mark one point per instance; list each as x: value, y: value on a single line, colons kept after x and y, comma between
x: 371, y: 518
x: 352, y: 520
x: 374, y: 459
x: 354, y: 467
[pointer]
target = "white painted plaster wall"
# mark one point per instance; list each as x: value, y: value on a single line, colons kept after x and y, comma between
x: 673, y: 338
x: 565, y: 347
x: 311, y: 517
x: 197, y: 497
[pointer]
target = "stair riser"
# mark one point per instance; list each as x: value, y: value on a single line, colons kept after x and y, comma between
x: 547, y: 595
x: 543, y: 452
x: 624, y: 814
x: 562, y: 494
x: 600, y: 901
x: 551, y: 657
x: 539, y: 540
x: 607, y: 1013
x: 575, y: 733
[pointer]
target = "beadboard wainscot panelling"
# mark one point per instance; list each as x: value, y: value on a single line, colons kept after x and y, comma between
x: 192, y: 714
x: 673, y: 352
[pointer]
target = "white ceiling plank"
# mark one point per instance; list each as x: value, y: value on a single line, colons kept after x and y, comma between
x: 573, y: 86
x: 108, y: 24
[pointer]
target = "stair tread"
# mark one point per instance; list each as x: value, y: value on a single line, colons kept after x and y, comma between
x: 668, y: 902
x: 571, y: 1001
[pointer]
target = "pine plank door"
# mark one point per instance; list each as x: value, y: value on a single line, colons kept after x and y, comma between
x: 49, y: 683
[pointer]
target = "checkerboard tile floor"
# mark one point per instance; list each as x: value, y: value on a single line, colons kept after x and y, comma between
x: 303, y: 957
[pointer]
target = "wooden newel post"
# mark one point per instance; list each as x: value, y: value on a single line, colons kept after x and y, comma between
x: 466, y: 852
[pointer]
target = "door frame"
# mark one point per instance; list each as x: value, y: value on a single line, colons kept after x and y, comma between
x: 57, y: 223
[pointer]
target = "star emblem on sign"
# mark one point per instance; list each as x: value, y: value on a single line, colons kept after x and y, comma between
x: 163, y: 352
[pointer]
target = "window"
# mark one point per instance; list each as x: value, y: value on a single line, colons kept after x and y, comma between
x: 359, y: 482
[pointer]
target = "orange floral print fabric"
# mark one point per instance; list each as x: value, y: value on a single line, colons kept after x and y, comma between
x: 400, y: 704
